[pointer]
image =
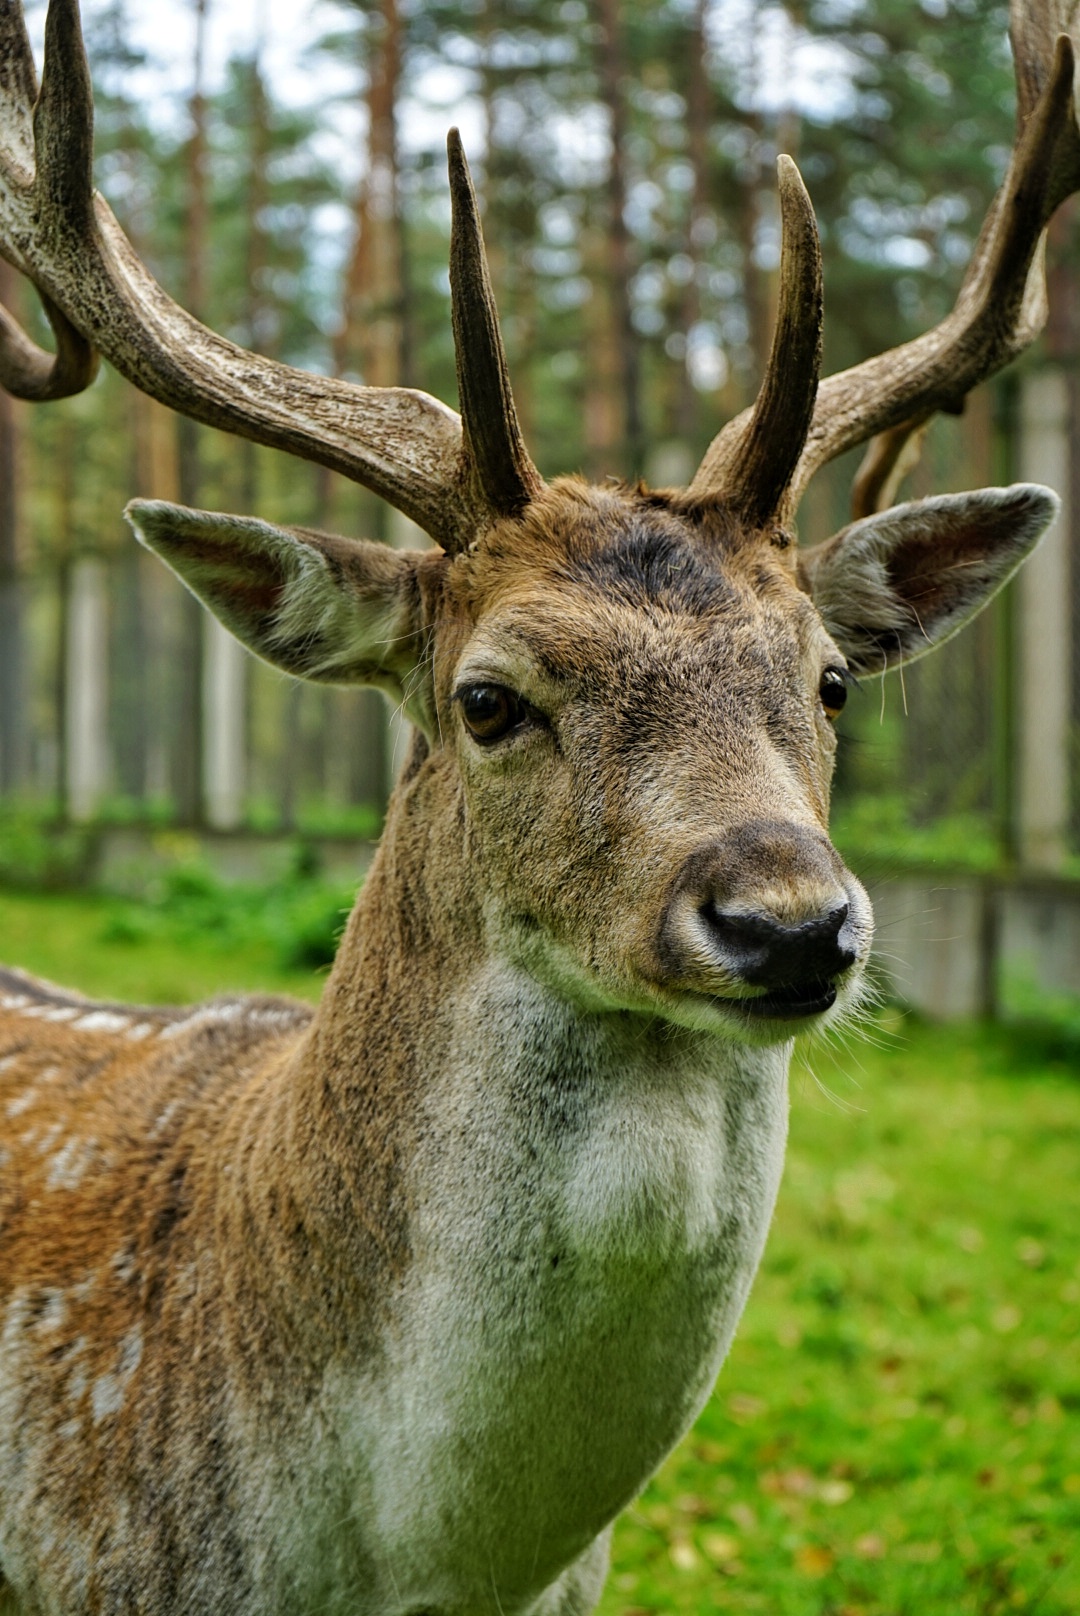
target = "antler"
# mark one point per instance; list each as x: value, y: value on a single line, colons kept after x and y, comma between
x: 401, y: 443
x: 1001, y: 306
x: 507, y: 477
x: 750, y: 463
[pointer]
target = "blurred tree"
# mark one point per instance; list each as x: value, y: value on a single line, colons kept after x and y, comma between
x: 14, y: 683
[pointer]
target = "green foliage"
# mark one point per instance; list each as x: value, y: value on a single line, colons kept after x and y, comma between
x: 300, y: 919
x: 872, y: 830
x: 37, y: 852
x: 111, y: 949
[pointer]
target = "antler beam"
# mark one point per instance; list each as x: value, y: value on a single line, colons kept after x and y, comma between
x: 1002, y: 303
x: 397, y: 441
x: 1000, y: 309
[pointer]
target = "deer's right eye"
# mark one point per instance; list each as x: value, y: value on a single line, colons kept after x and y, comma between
x: 490, y: 711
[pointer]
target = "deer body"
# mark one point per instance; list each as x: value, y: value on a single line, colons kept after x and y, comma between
x: 580, y: 1264
x: 388, y: 1308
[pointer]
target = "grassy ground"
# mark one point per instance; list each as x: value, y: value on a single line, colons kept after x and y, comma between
x: 897, y: 1429
x: 175, y: 954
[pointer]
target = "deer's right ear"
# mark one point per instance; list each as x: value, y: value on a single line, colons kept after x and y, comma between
x: 334, y: 610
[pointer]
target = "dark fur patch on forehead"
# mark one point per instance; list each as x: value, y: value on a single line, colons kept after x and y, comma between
x: 648, y: 556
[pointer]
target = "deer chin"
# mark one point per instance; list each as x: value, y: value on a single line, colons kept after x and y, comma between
x: 763, y: 1020
x: 796, y: 1001
x: 729, y: 1010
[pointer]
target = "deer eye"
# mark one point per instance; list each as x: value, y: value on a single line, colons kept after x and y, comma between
x: 490, y: 711
x: 833, y: 691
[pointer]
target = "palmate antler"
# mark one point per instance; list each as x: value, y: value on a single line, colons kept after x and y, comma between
x: 447, y: 473
x: 1000, y: 309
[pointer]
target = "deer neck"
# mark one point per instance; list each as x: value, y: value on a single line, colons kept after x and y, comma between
x: 577, y: 1200
x: 435, y: 1063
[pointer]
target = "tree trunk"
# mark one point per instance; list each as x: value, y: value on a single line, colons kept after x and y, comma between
x: 604, y: 423
x: 187, y: 758
x: 14, y: 727
x: 374, y: 341
x: 86, y: 707
x: 611, y: 70
x: 697, y: 137
x: 372, y: 335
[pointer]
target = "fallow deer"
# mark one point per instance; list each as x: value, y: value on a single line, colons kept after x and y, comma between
x: 391, y: 1306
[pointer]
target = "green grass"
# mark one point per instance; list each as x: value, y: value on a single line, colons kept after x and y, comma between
x: 187, y: 945
x: 897, y: 1429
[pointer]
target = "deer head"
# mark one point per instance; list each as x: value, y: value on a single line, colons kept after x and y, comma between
x: 624, y: 699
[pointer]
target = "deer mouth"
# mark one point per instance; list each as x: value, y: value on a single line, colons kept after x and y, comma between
x: 791, y: 1002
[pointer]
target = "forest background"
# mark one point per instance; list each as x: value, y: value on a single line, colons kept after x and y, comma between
x: 289, y: 187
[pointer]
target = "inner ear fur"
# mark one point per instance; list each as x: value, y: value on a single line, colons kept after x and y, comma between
x: 338, y: 611
x: 892, y: 586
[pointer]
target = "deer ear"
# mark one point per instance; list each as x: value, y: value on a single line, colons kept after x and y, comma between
x: 894, y: 585
x: 334, y: 610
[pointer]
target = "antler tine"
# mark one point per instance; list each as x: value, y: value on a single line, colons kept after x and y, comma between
x: 751, y: 462
x: 64, y: 121
x: 27, y: 371
x: 401, y: 443
x: 18, y: 88
x: 1001, y: 306
x: 27, y: 131
x: 507, y: 478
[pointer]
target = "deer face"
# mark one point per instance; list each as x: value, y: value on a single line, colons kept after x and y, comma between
x: 632, y: 702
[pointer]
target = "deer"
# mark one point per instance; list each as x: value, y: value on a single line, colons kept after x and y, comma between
x: 393, y: 1304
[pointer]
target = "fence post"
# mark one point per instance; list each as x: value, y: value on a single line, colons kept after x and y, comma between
x: 403, y: 534
x: 1044, y: 631
x: 86, y: 706
x: 224, y: 758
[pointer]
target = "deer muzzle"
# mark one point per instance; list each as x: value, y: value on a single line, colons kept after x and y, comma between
x: 766, y: 917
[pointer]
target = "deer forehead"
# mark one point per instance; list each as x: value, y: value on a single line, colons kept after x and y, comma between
x: 604, y: 595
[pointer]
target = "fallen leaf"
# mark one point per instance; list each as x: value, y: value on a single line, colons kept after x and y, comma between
x: 742, y: 1406
x: 719, y: 1546
x: 814, y: 1560
x: 711, y: 1452
x: 683, y: 1555
x: 836, y: 1492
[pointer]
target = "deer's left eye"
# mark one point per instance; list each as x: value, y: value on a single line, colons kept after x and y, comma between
x: 833, y: 691
x: 490, y: 711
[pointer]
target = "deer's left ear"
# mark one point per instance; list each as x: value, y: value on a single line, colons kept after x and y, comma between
x: 334, y: 610
x: 894, y: 585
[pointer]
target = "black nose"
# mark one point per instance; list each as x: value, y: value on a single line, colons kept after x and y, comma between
x: 768, y: 954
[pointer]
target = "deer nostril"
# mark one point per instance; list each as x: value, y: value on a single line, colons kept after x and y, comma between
x: 767, y: 953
